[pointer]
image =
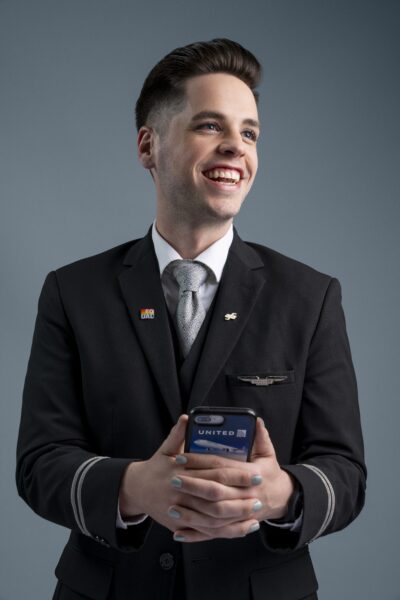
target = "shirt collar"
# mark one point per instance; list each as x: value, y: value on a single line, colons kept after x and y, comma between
x: 214, y: 256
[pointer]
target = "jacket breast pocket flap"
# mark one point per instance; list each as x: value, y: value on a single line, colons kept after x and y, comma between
x: 85, y: 574
x: 293, y: 580
x: 262, y: 379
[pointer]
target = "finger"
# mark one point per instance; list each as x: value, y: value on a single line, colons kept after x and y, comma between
x: 209, y: 490
x: 232, y: 477
x: 192, y: 519
x: 227, y: 509
x: 262, y: 446
x: 191, y: 535
x: 173, y: 444
x: 234, y: 530
x: 191, y: 460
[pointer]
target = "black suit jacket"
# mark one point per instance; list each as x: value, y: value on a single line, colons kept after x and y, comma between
x: 102, y: 388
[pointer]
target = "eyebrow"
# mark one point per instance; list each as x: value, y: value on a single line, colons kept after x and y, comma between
x: 210, y: 114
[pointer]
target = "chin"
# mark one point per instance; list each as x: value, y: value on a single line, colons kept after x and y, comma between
x: 226, y: 208
x: 222, y: 214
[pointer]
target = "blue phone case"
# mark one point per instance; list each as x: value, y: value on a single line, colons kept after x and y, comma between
x: 221, y: 431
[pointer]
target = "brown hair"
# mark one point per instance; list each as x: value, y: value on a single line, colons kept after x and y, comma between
x: 164, y: 87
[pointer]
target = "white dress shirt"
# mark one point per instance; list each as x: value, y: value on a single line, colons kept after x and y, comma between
x: 214, y: 257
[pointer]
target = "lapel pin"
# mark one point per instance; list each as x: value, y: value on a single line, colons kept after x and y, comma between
x: 147, y: 313
x: 230, y: 316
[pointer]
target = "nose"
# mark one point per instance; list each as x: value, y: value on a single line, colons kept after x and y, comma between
x: 232, y: 144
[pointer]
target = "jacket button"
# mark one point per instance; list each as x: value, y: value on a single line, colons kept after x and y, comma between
x: 102, y: 541
x: 167, y: 561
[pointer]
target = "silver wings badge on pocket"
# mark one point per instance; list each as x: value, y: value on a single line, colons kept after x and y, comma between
x: 267, y: 380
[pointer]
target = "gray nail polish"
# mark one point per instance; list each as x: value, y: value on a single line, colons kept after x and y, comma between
x: 176, y: 482
x: 179, y: 538
x: 257, y: 505
x: 181, y: 460
x: 256, y: 480
x: 254, y: 527
x: 174, y: 513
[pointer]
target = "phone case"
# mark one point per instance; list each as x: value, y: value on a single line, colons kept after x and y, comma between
x: 227, y: 432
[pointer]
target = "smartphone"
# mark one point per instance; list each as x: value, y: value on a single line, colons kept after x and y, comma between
x: 223, y: 431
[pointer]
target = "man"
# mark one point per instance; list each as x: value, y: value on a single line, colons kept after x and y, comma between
x: 125, y: 342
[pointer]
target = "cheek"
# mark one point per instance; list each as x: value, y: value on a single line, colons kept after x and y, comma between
x: 254, y: 167
x: 255, y: 163
x: 198, y: 151
x: 174, y: 165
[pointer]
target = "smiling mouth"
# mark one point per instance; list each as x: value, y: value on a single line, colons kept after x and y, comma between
x: 223, y: 176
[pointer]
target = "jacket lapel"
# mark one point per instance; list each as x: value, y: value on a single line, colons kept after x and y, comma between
x: 240, y: 285
x: 141, y: 288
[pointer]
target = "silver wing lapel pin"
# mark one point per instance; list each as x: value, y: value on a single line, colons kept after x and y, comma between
x: 257, y: 380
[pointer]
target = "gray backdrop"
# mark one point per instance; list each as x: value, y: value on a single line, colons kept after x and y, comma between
x: 327, y: 193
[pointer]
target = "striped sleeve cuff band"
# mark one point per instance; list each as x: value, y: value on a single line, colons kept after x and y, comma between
x: 331, y: 498
x: 76, y: 491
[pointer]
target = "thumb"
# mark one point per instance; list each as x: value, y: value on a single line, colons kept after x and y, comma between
x: 262, y: 446
x: 173, y: 444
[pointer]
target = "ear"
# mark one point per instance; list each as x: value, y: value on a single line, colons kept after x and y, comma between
x: 145, y: 145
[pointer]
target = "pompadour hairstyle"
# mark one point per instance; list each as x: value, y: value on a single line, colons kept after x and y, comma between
x: 164, y: 87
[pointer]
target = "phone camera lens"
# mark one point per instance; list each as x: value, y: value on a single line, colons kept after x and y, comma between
x: 203, y: 419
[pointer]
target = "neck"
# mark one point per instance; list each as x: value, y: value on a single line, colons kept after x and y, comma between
x: 189, y: 240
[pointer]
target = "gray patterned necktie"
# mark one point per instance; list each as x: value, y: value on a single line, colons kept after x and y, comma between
x: 190, y: 313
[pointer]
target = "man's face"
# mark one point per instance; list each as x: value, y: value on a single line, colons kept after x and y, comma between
x: 205, y: 163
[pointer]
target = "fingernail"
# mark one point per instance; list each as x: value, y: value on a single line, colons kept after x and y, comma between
x: 254, y: 527
x: 256, y: 480
x: 257, y: 506
x: 180, y: 459
x: 179, y: 538
x: 176, y: 482
x: 174, y: 513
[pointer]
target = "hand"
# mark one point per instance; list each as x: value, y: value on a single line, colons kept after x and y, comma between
x: 146, y: 485
x: 227, y: 498
x: 277, y: 485
x: 209, y: 496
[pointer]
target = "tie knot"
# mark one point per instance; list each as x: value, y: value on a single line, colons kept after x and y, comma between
x: 189, y: 274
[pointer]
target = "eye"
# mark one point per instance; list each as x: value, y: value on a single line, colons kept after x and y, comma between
x: 252, y: 135
x: 208, y: 125
x: 249, y: 134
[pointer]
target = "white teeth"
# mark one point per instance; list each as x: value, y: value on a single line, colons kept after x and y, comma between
x: 223, y: 174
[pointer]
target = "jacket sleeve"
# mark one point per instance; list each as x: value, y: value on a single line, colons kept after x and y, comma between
x: 60, y: 473
x: 328, y: 455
